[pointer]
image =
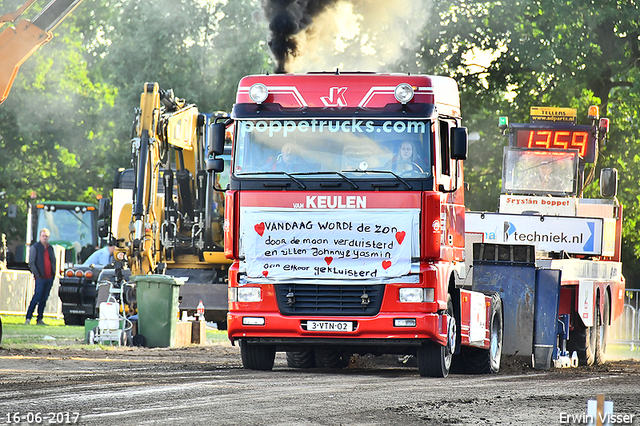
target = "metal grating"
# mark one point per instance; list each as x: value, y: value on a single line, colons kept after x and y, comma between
x: 329, y: 300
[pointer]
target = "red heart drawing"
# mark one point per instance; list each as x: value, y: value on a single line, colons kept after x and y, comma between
x: 386, y: 264
x: 400, y: 236
x: 265, y: 273
x: 328, y: 259
x: 259, y: 228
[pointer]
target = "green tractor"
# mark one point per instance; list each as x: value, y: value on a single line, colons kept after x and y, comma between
x: 73, y: 225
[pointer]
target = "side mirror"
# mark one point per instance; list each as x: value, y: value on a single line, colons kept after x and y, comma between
x: 608, y: 182
x: 104, y: 209
x: 103, y: 228
x: 215, y: 165
x: 459, y: 143
x: 216, y: 139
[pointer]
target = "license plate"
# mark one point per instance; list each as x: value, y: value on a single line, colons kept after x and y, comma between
x: 329, y: 326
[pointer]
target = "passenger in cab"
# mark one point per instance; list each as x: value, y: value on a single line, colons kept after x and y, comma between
x: 407, y: 159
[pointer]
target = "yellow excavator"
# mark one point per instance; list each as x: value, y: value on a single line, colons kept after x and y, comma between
x: 20, y: 38
x: 172, y: 221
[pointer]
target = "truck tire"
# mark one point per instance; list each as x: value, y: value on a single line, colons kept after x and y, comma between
x: 257, y: 357
x: 434, y: 360
x: 330, y: 358
x: 582, y: 340
x: 603, y: 331
x: 301, y: 359
x: 485, y: 361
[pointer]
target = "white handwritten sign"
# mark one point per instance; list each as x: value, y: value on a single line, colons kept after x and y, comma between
x: 320, y: 244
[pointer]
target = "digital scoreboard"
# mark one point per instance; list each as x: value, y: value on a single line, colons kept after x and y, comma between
x: 554, y: 128
x: 580, y: 138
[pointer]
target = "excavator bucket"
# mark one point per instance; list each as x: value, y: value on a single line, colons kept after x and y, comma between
x: 18, y: 43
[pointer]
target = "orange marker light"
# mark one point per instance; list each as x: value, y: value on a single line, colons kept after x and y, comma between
x: 594, y: 112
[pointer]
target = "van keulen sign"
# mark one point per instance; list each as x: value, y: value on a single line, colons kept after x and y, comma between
x: 548, y: 233
x: 355, y: 244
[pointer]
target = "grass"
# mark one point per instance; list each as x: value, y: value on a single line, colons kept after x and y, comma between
x: 620, y: 352
x: 56, y: 335
x: 17, y: 335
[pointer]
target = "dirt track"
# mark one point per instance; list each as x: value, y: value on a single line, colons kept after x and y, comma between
x: 206, y: 385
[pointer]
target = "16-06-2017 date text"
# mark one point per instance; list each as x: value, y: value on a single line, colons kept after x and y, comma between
x: 50, y: 418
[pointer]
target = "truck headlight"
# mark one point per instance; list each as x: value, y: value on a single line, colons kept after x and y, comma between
x: 258, y: 93
x: 403, y: 93
x: 416, y: 295
x: 245, y: 294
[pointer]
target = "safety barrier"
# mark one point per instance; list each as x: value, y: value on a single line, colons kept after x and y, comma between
x: 626, y: 329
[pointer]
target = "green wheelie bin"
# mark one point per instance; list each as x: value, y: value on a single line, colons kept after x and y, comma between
x: 157, y: 309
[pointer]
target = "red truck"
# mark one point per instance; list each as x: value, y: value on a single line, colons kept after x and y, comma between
x: 345, y: 218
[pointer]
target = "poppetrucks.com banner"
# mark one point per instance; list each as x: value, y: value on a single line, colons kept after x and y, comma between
x: 323, y: 244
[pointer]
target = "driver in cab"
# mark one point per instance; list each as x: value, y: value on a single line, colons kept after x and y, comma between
x: 288, y: 160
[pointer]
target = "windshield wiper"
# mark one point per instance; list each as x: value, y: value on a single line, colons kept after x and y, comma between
x: 382, y: 171
x: 332, y: 172
x: 289, y: 175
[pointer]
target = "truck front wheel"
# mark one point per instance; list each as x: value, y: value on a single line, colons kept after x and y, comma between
x: 434, y: 360
x: 257, y: 357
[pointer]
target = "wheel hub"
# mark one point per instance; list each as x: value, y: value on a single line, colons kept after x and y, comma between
x: 451, y: 335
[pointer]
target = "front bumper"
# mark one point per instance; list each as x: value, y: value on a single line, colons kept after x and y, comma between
x: 378, y: 330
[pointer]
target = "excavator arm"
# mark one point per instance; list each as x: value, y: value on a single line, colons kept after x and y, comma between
x: 165, y: 124
x: 172, y: 224
x: 19, y: 42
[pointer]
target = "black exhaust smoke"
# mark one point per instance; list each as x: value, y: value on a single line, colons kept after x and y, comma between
x: 286, y: 19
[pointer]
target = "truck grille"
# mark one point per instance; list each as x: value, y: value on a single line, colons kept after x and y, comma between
x: 331, y: 300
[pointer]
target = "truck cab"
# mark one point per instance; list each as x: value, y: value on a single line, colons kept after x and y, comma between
x: 345, y: 221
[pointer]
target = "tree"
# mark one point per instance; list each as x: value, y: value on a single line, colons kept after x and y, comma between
x: 51, y: 135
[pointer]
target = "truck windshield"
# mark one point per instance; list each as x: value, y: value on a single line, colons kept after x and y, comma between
x: 539, y: 172
x: 349, y: 146
x: 76, y: 228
